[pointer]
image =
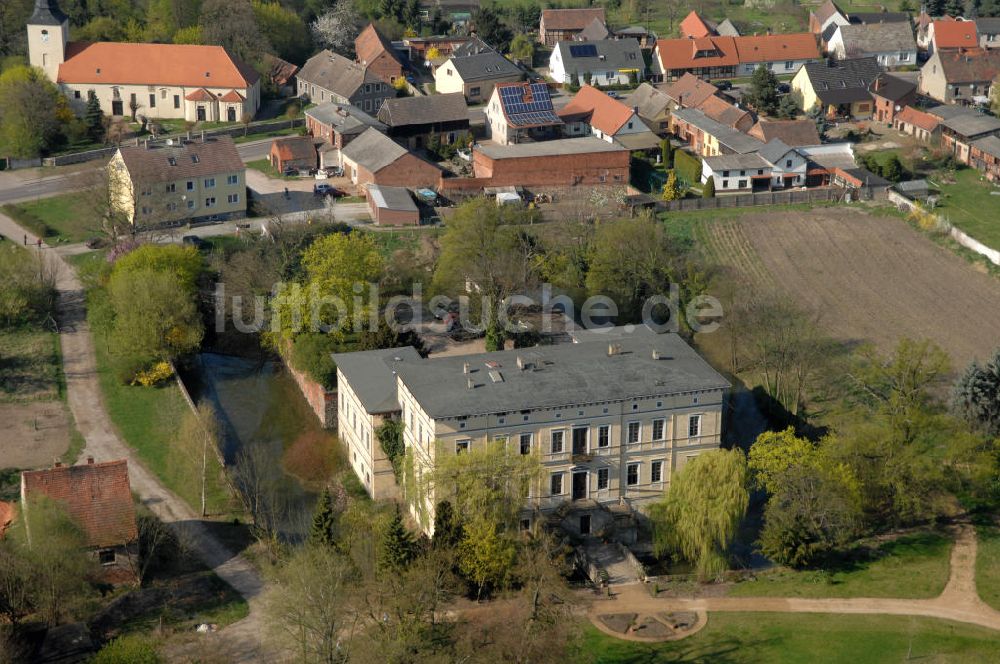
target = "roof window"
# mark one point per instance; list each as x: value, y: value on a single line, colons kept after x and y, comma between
x: 171, y: 161
x: 195, y: 158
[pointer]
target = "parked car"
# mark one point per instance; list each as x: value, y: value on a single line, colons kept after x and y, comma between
x: 613, y: 94
x: 290, y: 172
x: 327, y: 190
x: 723, y: 85
x: 784, y: 88
x: 321, y: 174
x: 193, y: 241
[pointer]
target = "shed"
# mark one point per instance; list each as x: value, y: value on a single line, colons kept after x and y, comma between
x: 298, y: 152
x: 392, y: 206
x: 914, y: 189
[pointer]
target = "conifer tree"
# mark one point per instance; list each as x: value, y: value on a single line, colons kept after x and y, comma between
x: 324, y: 523
x: 398, y: 547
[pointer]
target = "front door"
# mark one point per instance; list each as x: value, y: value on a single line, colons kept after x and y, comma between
x: 117, y: 109
x: 231, y: 114
x: 580, y: 485
x: 585, y: 524
x: 201, y: 114
x: 580, y: 441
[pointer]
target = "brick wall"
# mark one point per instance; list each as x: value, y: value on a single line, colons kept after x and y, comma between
x: 407, y: 171
x: 386, y: 67
x: 609, y: 168
x: 322, y: 402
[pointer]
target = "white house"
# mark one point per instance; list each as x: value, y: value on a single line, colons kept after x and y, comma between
x: 774, y: 166
x: 607, y: 61
x: 595, y: 113
x: 788, y: 165
x: 892, y: 44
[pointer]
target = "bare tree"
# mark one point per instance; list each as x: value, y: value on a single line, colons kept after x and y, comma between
x: 335, y: 28
x: 258, y: 483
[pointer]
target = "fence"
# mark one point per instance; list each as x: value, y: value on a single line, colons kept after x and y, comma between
x: 956, y: 234
x: 826, y: 194
x: 261, y: 127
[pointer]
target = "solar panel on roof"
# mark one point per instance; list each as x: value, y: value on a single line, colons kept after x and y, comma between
x: 528, y: 104
x: 583, y: 51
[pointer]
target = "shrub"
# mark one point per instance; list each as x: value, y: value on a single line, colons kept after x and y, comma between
x: 311, y: 354
x: 128, y: 650
x: 154, y: 375
x: 687, y: 166
x: 708, y: 190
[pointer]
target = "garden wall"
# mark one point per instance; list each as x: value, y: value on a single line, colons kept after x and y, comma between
x: 322, y: 401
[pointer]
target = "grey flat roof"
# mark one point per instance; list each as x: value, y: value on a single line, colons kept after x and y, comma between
x: 392, y: 198
x: 972, y: 124
x: 728, y: 162
x: 562, y: 375
x: 563, y: 146
x: 345, y: 118
x: 371, y: 375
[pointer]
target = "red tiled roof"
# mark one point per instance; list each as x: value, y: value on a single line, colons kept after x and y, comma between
x: 602, y: 112
x: 201, y: 94
x: 918, y: 118
x: 371, y: 43
x: 280, y: 71
x: 232, y: 97
x: 571, y: 19
x: 773, y: 48
x: 689, y: 90
x: 955, y: 34
x: 295, y: 147
x: 95, y: 495
x: 189, y: 65
x: 722, y: 111
x: 680, y: 53
x: 694, y: 26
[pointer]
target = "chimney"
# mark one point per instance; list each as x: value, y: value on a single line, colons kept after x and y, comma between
x: 90, y: 461
x: 57, y: 464
x: 469, y: 384
x: 614, y: 349
x: 656, y: 354
x: 520, y: 363
x: 465, y: 368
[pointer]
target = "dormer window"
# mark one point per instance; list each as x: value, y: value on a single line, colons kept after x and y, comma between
x: 195, y: 158
x: 45, y: 35
x: 171, y: 161
x: 208, y: 74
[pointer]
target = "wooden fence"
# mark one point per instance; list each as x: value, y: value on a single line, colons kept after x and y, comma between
x: 819, y: 195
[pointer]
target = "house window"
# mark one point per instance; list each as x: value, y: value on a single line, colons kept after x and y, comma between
x: 602, y: 479
x: 163, y: 93
x: 233, y: 198
x: 658, y: 429
x: 190, y: 205
x: 76, y: 94
x: 147, y: 210
x: 233, y: 179
x: 903, y: 57
x: 172, y: 188
x: 461, y: 446
x: 152, y: 100
x: 190, y: 185
x: 602, y: 178
x: 209, y: 183
x: 210, y: 202
x: 725, y: 174
x: 789, y: 64
x: 171, y: 207
x: 555, y: 484
x: 177, y: 101
x: 743, y: 184
x: 525, y: 443
x: 557, y: 441
x: 633, y: 432
x: 656, y: 472
x: 788, y: 163
x: 106, y: 556
x: 131, y: 99
x: 525, y: 524
x: 603, y: 435
x: 725, y: 184
x: 632, y: 474
x: 694, y: 426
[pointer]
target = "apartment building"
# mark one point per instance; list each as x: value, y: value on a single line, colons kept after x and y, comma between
x: 610, y: 417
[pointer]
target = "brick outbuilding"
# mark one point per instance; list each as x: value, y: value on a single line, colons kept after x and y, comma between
x: 561, y: 163
x: 374, y: 158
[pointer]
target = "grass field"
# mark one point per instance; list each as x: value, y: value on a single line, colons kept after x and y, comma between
x: 148, y: 419
x: 264, y: 166
x: 776, y: 638
x: 969, y: 203
x: 30, y: 369
x: 57, y: 219
x: 915, y: 566
x: 988, y: 565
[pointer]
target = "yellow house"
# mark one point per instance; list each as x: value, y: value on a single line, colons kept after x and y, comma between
x: 174, y: 182
x: 839, y: 88
x: 193, y: 82
x: 475, y: 75
x: 609, y: 418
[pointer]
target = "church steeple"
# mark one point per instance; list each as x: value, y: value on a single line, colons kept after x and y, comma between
x: 47, y: 12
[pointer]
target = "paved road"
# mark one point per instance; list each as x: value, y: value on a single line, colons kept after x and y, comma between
x: 102, y: 442
x: 34, y: 183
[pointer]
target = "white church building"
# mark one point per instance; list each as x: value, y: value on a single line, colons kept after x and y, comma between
x: 193, y: 82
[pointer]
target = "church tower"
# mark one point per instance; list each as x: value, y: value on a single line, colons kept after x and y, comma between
x: 48, y: 31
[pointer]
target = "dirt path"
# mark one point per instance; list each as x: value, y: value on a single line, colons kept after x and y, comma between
x: 959, y: 601
x: 102, y: 442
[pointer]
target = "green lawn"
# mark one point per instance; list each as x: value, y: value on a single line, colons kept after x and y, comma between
x: 970, y: 205
x: 30, y: 368
x: 773, y: 638
x: 56, y: 219
x: 148, y: 418
x: 265, y: 167
x: 915, y: 566
x: 988, y: 565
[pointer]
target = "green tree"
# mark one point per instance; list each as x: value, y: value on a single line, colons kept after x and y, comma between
x: 33, y: 113
x: 773, y: 453
x: 763, y: 94
x: 667, y: 153
x: 284, y: 29
x: 447, y: 526
x: 390, y: 439
x: 183, y: 263
x: 132, y: 649
x: 93, y: 117
x: 573, y: 83
x: 588, y: 77
x: 28, y: 293
x: 492, y: 249
x: 490, y: 28
x: 189, y: 35
x: 232, y: 24
x: 811, y: 513
x: 700, y: 514
x: 397, y: 548
x: 789, y: 106
x: 522, y: 48
x: 975, y: 398
x: 708, y: 189
x: 323, y: 530
x: 486, y: 555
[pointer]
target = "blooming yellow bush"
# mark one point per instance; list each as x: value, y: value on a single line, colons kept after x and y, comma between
x: 154, y: 375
